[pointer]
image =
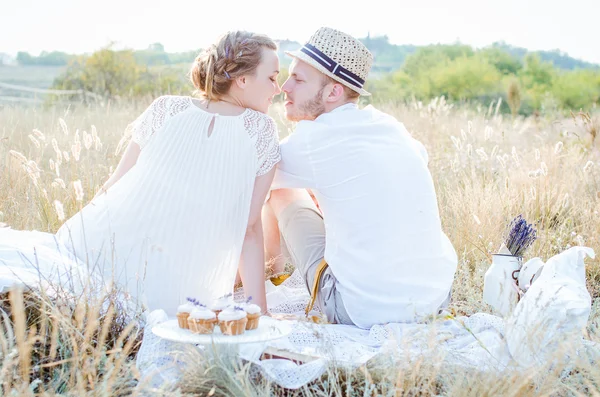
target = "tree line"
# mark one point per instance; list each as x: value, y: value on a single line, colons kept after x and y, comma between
x: 527, y: 82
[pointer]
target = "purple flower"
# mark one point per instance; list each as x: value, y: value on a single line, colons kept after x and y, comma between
x: 195, y: 302
x: 520, y: 236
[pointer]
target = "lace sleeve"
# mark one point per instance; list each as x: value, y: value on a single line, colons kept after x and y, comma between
x: 154, y: 117
x: 267, y: 145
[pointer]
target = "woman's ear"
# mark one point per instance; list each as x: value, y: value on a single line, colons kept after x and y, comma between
x: 241, y: 81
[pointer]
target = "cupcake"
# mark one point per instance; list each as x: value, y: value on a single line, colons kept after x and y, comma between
x: 221, y: 304
x: 253, y: 314
x: 202, y: 320
x: 233, y: 320
x: 183, y: 312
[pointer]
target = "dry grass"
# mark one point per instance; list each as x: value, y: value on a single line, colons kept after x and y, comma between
x: 64, y: 344
x: 487, y: 169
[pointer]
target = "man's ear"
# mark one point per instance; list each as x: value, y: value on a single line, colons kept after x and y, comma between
x: 336, y: 93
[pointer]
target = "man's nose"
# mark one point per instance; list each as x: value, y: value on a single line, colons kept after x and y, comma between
x: 286, y: 87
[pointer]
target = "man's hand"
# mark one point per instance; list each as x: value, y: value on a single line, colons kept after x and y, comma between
x: 314, y: 199
x: 285, y: 316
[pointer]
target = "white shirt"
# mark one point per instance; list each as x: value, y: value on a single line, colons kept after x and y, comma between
x: 384, y: 241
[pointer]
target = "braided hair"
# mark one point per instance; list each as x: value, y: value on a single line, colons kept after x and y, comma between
x: 234, y: 54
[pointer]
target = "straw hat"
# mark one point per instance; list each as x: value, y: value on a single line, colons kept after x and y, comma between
x: 339, y: 56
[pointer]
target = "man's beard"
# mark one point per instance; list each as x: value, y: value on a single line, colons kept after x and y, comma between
x: 312, y: 108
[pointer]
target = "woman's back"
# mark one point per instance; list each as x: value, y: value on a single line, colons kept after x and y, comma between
x: 177, y: 219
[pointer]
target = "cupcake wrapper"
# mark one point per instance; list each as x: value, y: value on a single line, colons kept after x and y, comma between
x: 253, y: 320
x: 233, y: 327
x: 182, y: 319
x: 202, y: 326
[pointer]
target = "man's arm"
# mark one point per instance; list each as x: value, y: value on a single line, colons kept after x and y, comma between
x: 295, y: 170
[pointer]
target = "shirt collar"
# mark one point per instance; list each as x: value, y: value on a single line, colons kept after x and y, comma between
x: 346, y: 106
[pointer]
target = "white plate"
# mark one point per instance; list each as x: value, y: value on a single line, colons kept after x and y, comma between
x: 268, y: 329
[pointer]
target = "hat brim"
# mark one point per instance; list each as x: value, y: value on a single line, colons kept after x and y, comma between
x: 305, y: 58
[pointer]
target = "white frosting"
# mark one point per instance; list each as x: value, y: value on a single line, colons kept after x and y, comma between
x: 202, y: 313
x: 222, y: 303
x: 185, y: 308
x: 230, y: 314
x: 251, y: 308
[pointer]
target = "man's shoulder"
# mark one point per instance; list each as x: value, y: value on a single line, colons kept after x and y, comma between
x: 366, y: 118
x: 377, y: 114
x: 345, y: 122
x: 305, y: 127
x: 367, y: 114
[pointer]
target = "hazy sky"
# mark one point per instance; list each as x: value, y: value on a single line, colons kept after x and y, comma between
x: 83, y: 26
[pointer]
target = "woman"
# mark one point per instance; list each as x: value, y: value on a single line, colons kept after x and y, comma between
x: 182, y: 210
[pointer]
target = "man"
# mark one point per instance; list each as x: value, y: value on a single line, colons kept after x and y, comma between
x: 374, y: 252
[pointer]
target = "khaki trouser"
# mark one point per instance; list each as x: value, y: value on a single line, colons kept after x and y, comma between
x: 303, y: 236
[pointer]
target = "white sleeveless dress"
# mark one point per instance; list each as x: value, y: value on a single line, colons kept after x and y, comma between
x: 173, y: 226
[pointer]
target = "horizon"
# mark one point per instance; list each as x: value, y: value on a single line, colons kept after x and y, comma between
x: 122, y: 47
x: 69, y: 26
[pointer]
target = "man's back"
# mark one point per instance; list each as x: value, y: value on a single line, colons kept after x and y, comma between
x: 384, y: 242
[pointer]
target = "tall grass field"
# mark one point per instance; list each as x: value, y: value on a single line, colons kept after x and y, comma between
x: 487, y: 168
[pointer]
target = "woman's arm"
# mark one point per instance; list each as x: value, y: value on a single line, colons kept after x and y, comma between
x: 252, y: 262
x: 141, y: 130
x: 127, y: 161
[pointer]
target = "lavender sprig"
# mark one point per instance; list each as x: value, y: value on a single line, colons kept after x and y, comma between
x: 195, y: 302
x: 520, y: 236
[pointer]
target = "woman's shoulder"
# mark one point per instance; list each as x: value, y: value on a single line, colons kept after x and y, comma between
x: 259, y: 121
x: 168, y: 106
x: 170, y: 101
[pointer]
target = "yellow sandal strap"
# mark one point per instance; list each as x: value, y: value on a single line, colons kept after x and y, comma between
x: 315, y: 289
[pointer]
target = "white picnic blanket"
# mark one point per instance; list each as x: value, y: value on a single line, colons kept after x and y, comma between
x: 478, y: 341
x: 474, y: 341
x: 550, y: 315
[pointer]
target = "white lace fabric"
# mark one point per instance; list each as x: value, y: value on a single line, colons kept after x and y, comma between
x: 260, y: 128
x: 154, y: 117
x: 264, y: 131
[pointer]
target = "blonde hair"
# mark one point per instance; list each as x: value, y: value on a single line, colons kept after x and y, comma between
x: 235, y: 54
